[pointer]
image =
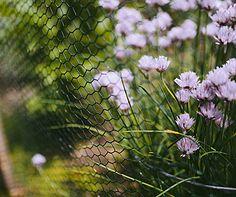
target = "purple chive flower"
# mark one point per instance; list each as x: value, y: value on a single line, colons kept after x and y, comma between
x: 129, y: 15
x: 110, y: 5
x: 147, y: 26
x: 230, y: 67
x: 136, y: 40
x: 121, y: 52
x: 209, y: 111
x: 187, y: 145
x: 124, y: 28
x: 162, y: 21
x: 146, y: 63
x: 183, y: 95
x: 38, y: 160
x: 211, y: 29
x: 159, y: 2
x: 189, y: 29
x: 204, y: 91
x: 218, y: 76
x: 223, y: 123
x: 187, y: 80
x: 126, y: 75
x: 224, y: 16
x: 175, y: 34
x: 183, y: 5
x: 227, y: 91
x: 185, y: 122
x: 208, y: 4
x: 161, y: 63
x: 225, y: 35
x: 164, y: 42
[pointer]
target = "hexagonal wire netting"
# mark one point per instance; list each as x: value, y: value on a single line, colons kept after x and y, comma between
x: 72, y: 92
x: 51, y: 51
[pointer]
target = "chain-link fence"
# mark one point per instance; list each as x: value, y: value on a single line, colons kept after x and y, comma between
x: 71, y: 90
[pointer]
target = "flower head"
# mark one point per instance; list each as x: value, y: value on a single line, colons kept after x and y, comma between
x: 187, y: 80
x: 130, y: 15
x: 162, y: 21
x: 159, y: 2
x: 218, y: 76
x: 161, y: 63
x: 146, y: 63
x: 110, y: 5
x: 210, y: 111
x: 225, y: 35
x: 136, y: 40
x: 126, y: 75
x: 187, y: 145
x: 147, y: 26
x: 230, y: 67
x: 183, y: 5
x: 164, y: 42
x: 211, y: 29
x: 183, y: 95
x: 227, y: 91
x: 185, y: 122
x: 124, y: 28
x: 204, y: 91
x: 121, y: 52
x: 38, y: 160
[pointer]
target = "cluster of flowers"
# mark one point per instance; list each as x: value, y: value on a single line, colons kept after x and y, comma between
x: 117, y: 84
x: 222, y: 27
x: 187, y: 145
x: 218, y: 85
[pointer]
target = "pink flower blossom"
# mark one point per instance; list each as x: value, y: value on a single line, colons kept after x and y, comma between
x: 38, y: 160
x: 210, y: 30
x: 227, y: 91
x: 187, y: 145
x: 183, y: 5
x: 124, y: 28
x: 183, y: 95
x: 146, y: 63
x: 225, y: 35
x: 108, y: 4
x: 218, y: 76
x: 185, y: 122
x: 230, y: 67
x: 147, y: 26
x: 208, y: 4
x: 164, y: 42
x: 187, y: 80
x: 159, y: 2
x: 121, y: 52
x: 222, y: 121
x: 161, y: 63
x: 204, y: 91
x: 126, y: 75
x: 129, y: 15
x: 162, y: 21
x: 136, y: 40
x: 210, y: 111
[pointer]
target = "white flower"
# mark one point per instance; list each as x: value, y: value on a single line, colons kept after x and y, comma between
x: 162, y: 21
x: 108, y: 4
x: 183, y: 95
x: 175, y: 34
x: 38, y: 160
x: 136, y: 40
x: 129, y: 15
x: 187, y: 145
x: 225, y: 35
x: 218, y: 76
x: 225, y: 15
x: 159, y: 2
x: 188, y: 80
x: 164, y: 42
x: 185, y: 122
x: 210, y: 30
